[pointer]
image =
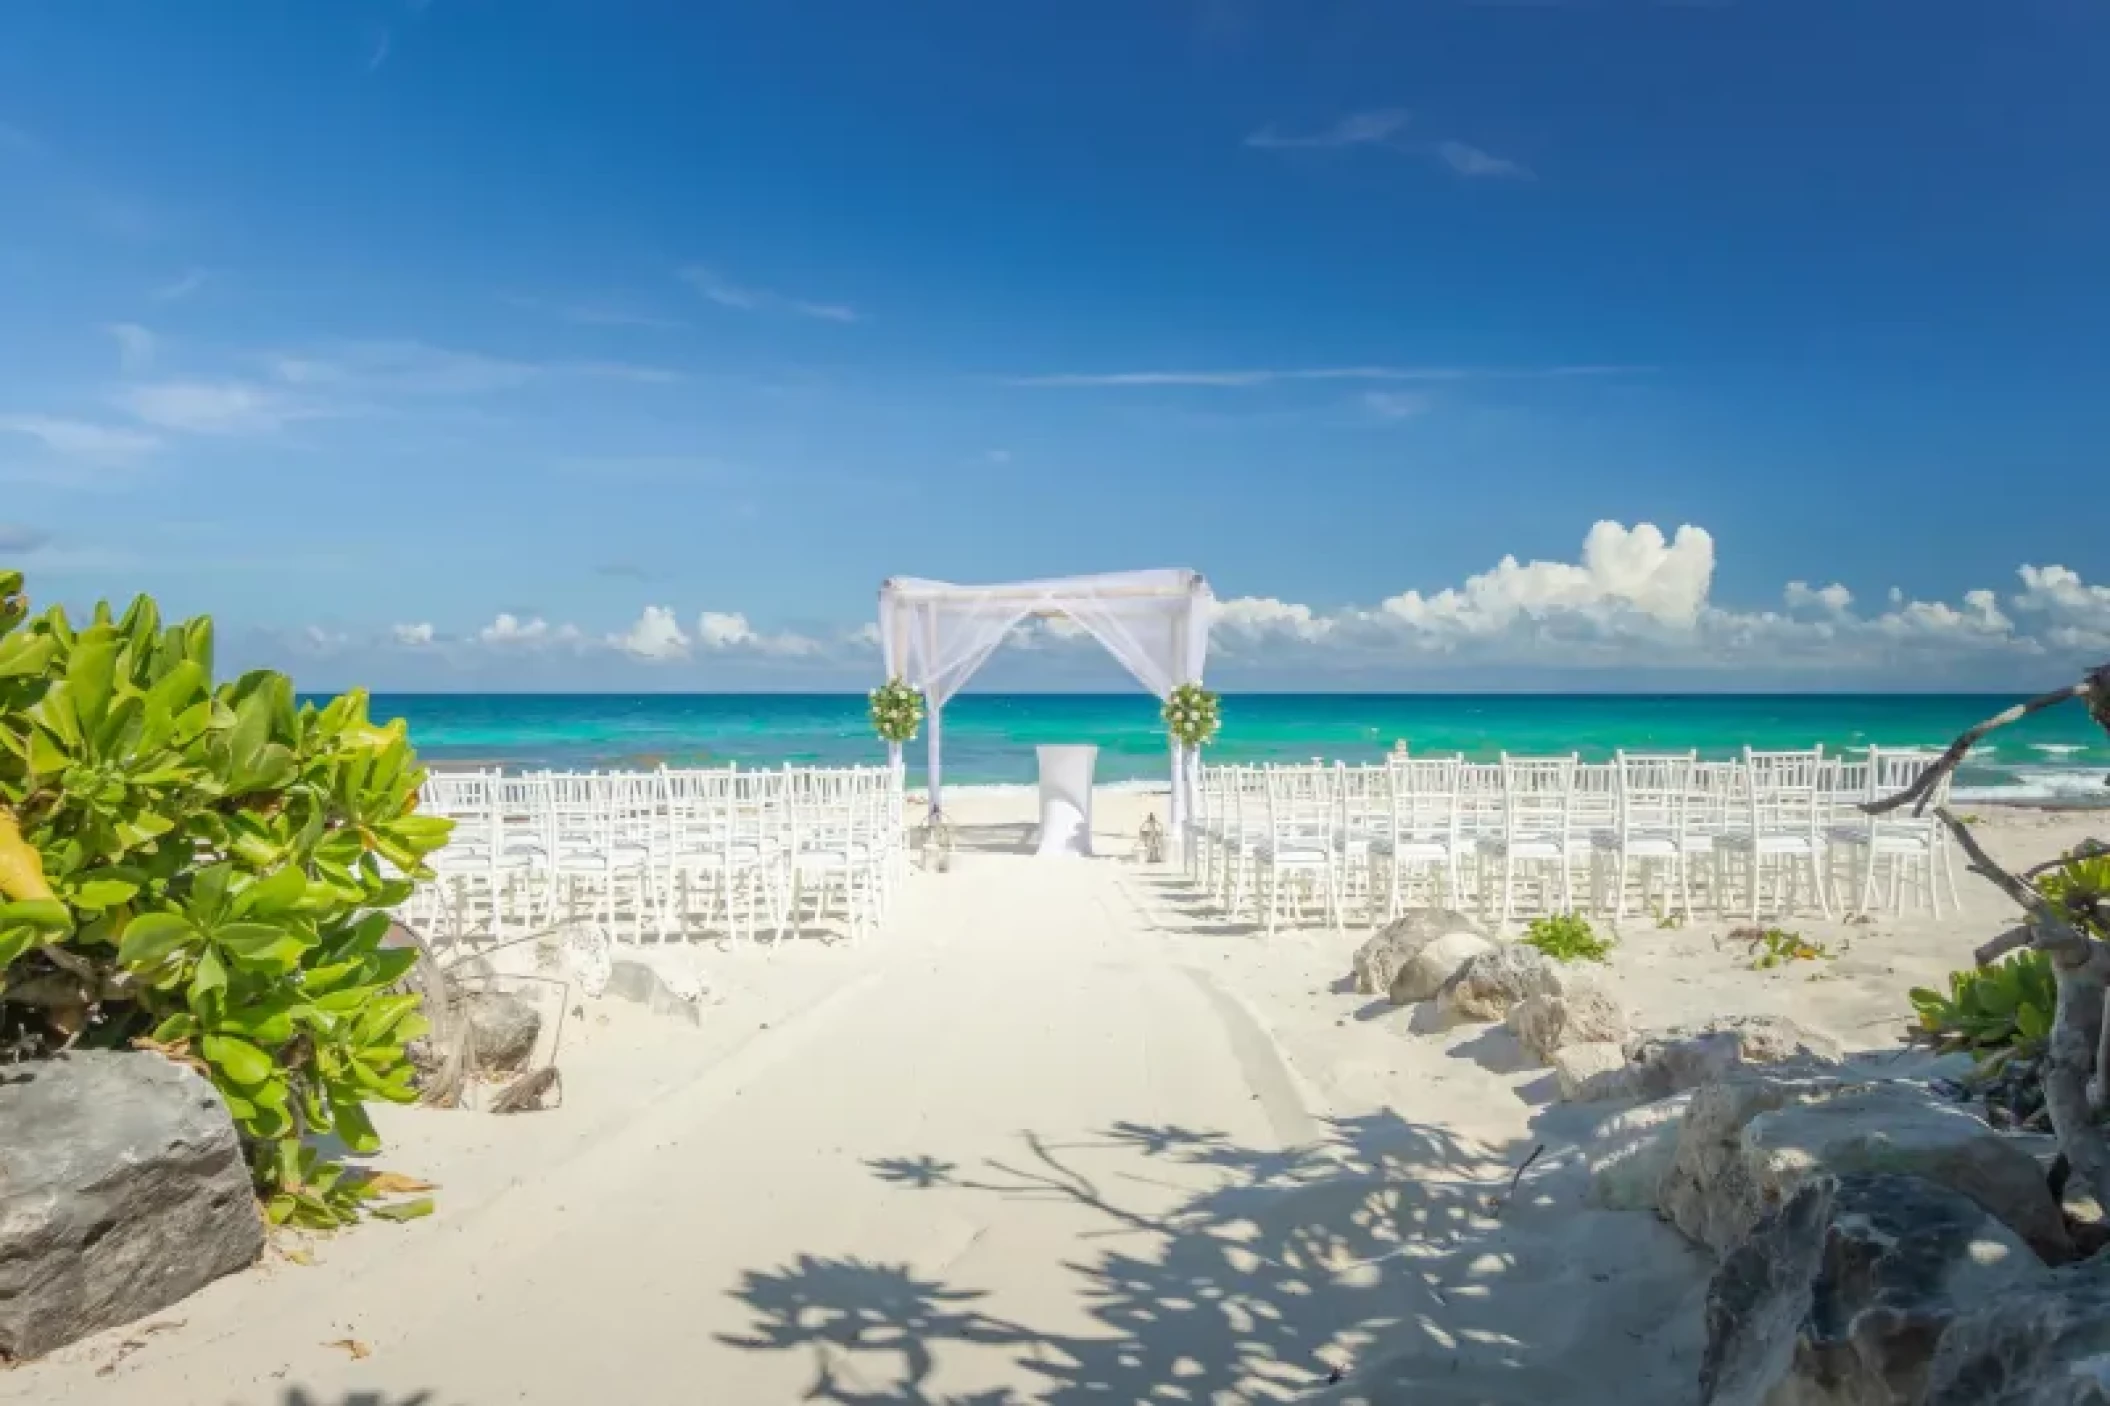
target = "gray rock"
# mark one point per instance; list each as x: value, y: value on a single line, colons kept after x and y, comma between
x: 1377, y: 961
x: 2037, y: 1344
x: 1628, y: 1153
x: 122, y: 1189
x: 1545, y: 1025
x: 1428, y: 971
x: 1844, y: 1296
x: 1749, y: 1144
x: 637, y: 982
x: 1708, y: 1192
x: 1671, y: 1061
x: 1592, y: 1072
x: 503, y: 1028
x: 1488, y: 985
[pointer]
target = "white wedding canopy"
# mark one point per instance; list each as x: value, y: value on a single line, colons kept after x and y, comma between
x: 935, y: 635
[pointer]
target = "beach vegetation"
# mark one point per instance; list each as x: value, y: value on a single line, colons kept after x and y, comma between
x: 1994, y: 1013
x: 1776, y: 947
x: 897, y: 711
x: 1567, y: 937
x: 206, y: 871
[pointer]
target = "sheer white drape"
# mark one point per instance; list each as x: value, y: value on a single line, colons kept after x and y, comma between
x: 1156, y: 623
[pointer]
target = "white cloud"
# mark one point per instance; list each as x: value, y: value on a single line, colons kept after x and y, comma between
x: 1396, y: 405
x: 1267, y: 376
x: 656, y: 635
x: 1800, y: 595
x: 1469, y: 160
x: 80, y: 439
x: 2076, y: 614
x: 728, y: 294
x: 1387, y: 127
x: 724, y: 630
x: 180, y: 288
x: 414, y: 635
x: 1261, y: 616
x: 135, y: 345
x: 211, y: 407
x: 509, y: 629
x: 1357, y: 129
x: 1622, y: 571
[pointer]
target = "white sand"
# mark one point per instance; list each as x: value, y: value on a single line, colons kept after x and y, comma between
x: 1060, y: 1134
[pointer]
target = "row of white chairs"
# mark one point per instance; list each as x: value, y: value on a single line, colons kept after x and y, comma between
x: 665, y: 852
x: 1767, y: 832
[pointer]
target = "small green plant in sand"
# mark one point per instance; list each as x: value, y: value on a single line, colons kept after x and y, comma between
x: 1567, y: 937
x: 1995, y: 1013
x: 1669, y: 919
x: 1776, y: 947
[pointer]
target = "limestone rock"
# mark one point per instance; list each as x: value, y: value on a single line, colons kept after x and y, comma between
x: 1592, y: 1072
x: 503, y: 1028
x: 2041, y: 1343
x: 1428, y: 971
x: 1544, y: 1025
x: 1671, y: 1061
x: 122, y: 1189
x: 1378, y: 961
x: 1748, y: 1144
x: 1488, y: 985
x: 1901, y: 1128
x: 1844, y: 1295
x: 1629, y: 1152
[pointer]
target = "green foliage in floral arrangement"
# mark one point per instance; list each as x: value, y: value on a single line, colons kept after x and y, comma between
x: 1996, y: 1012
x: 1567, y: 937
x: 897, y: 711
x: 207, y: 872
x: 1192, y: 715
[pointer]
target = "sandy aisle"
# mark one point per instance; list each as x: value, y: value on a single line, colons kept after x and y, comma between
x: 746, y: 1203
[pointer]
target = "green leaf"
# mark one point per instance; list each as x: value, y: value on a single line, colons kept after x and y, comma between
x: 211, y: 975
x: 2032, y: 1022
x: 44, y: 914
x: 151, y: 937
x: 239, y: 1060
x: 107, y: 891
x: 405, y: 1210
x: 356, y: 1128
x: 275, y: 895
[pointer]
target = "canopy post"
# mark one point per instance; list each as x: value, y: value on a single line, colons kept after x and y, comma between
x: 937, y: 714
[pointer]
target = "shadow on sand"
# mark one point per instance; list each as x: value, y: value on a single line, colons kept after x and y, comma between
x: 1387, y: 1253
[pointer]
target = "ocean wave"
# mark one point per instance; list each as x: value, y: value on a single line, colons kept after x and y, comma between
x: 2024, y: 785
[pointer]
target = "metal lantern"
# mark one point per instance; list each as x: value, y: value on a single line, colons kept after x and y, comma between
x: 1150, y: 840
x: 937, y: 843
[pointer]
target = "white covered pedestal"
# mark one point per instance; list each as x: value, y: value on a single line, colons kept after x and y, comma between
x: 1066, y: 800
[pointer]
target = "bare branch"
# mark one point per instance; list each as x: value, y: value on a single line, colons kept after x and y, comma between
x: 2050, y: 930
x: 2000, y: 946
x: 1919, y: 790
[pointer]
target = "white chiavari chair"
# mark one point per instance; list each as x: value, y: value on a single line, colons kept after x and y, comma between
x: 1538, y: 795
x: 1783, y: 827
x: 1421, y: 831
x: 600, y: 831
x: 1651, y: 828
x: 833, y: 850
x: 1914, y: 849
x: 1362, y: 818
x: 1298, y: 852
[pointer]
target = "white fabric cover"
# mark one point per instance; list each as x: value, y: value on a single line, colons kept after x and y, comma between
x: 1066, y: 800
x: 935, y: 635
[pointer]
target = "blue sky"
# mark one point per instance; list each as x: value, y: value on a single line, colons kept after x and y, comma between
x: 616, y: 345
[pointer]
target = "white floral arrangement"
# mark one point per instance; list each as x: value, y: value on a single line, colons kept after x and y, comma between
x: 897, y: 710
x: 1192, y: 715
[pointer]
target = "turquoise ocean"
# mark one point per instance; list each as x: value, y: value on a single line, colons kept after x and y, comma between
x: 2058, y: 757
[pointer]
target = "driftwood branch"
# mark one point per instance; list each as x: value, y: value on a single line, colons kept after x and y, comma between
x: 1917, y: 793
x: 2014, y: 939
x: 2077, y: 1055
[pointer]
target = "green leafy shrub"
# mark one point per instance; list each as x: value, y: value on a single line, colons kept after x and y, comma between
x: 1774, y: 947
x: 1567, y: 937
x: 1996, y: 1013
x: 208, y: 872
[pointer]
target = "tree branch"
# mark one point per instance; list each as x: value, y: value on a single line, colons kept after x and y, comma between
x: 2050, y: 932
x: 1916, y: 794
x: 2000, y: 946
